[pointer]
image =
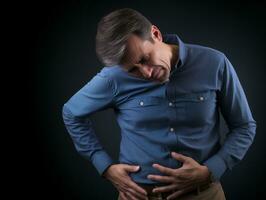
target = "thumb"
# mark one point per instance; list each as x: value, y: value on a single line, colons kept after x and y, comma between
x: 179, y: 157
x: 131, y: 168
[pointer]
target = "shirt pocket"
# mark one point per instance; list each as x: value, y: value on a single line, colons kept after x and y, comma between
x: 199, y: 108
x: 143, y: 113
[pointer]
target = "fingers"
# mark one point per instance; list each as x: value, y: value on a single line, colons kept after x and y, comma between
x: 137, y: 194
x: 134, y: 190
x: 119, y: 177
x: 131, y: 168
x: 164, y: 170
x: 137, y: 188
x: 131, y: 186
x: 126, y: 196
x: 180, y: 157
x: 179, y: 193
x: 130, y: 196
x: 167, y: 188
x: 175, y: 194
x: 122, y: 196
x: 163, y: 179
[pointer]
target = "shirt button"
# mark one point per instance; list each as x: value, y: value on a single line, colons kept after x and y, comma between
x: 141, y: 103
x: 170, y: 104
x: 172, y: 129
x: 201, y: 98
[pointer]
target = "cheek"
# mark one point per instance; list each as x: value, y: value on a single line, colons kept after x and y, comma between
x: 157, y: 58
x: 161, y: 61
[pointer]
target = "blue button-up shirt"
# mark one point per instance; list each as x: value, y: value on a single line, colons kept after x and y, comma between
x: 181, y: 115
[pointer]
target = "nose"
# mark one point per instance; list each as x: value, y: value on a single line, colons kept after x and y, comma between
x: 147, y: 71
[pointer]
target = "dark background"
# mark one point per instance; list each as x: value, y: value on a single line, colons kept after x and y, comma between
x: 61, y: 40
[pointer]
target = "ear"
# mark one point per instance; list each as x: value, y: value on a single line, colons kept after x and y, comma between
x: 156, y: 34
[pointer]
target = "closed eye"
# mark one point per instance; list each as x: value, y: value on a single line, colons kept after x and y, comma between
x: 132, y: 69
x: 142, y: 61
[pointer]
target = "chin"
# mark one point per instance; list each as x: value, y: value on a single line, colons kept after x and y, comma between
x: 162, y: 80
x: 165, y: 78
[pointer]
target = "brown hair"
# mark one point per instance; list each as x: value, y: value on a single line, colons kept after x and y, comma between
x: 113, y: 31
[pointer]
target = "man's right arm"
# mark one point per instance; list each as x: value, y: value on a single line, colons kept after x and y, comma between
x: 96, y: 95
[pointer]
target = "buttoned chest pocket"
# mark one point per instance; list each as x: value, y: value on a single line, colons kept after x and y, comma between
x: 199, y: 108
x: 143, y: 112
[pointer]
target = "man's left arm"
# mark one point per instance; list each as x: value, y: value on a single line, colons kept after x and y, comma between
x: 242, y: 127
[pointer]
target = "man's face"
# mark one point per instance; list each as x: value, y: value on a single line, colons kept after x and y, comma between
x: 149, y: 60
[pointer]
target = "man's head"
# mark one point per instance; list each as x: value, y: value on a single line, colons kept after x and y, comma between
x: 125, y: 37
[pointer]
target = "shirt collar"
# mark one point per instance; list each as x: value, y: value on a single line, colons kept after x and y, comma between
x: 174, y: 39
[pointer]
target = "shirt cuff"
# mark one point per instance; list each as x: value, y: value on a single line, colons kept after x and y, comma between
x: 101, y: 161
x: 217, y: 167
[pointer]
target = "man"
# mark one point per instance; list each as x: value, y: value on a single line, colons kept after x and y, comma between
x: 167, y: 96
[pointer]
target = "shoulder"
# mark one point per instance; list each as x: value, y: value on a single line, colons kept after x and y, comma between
x: 205, y: 52
x: 114, y: 76
x: 111, y: 72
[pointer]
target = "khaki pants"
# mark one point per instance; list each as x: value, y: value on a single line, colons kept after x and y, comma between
x: 214, y: 192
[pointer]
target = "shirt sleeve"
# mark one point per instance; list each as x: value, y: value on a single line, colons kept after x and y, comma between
x: 242, y: 127
x: 96, y: 95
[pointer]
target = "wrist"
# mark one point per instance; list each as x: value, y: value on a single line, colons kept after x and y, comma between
x: 207, y: 175
x: 106, y: 172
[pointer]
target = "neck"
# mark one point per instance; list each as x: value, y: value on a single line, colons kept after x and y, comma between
x: 174, y: 54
